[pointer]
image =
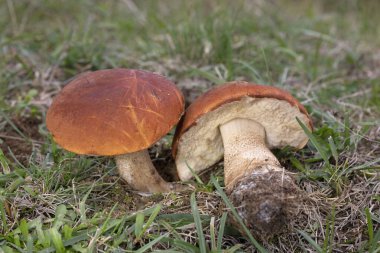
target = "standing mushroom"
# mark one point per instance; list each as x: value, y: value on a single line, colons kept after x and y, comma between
x: 243, y: 122
x: 121, y: 113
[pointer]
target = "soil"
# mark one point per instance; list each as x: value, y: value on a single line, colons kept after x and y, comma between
x: 13, y: 143
x: 165, y: 165
x: 266, y: 202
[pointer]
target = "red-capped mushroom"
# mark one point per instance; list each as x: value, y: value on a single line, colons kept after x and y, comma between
x: 120, y: 113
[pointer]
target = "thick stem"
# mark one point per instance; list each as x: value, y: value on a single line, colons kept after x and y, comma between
x: 137, y: 169
x: 245, y: 150
x: 263, y: 193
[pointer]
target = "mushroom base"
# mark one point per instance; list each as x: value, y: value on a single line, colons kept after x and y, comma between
x: 265, y: 201
x: 137, y: 169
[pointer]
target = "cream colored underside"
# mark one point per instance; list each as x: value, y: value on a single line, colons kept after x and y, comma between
x: 202, y: 145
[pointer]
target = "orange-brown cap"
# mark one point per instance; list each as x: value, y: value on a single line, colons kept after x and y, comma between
x: 114, y: 111
x: 227, y: 93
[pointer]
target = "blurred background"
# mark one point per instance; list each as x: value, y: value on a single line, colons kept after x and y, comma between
x: 195, y: 43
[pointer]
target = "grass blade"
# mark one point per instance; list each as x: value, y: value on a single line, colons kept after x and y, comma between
x: 81, y: 237
x: 57, y: 240
x: 198, y: 224
x: 298, y: 165
x: 168, y: 251
x: 182, y: 245
x: 333, y: 149
x: 233, y: 249
x: 3, y: 215
x: 237, y: 217
x: 4, y: 162
x: 347, y: 135
x: 207, y: 75
x: 182, y: 218
x: 314, y: 141
x: 363, y: 166
x: 151, y: 244
x: 139, y: 224
x: 374, y: 246
x: 369, y: 225
x: 153, y: 216
x: 29, y: 244
x: 24, y: 228
x: 82, y: 205
x: 311, y: 241
x: 222, y: 225
x: 170, y: 229
x: 195, y: 175
x: 60, y: 213
x: 9, y: 121
x: 15, y: 184
x: 329, y: 234
x: 212, y: 234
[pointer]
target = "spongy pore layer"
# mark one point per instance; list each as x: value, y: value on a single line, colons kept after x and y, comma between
x: 202, y: 146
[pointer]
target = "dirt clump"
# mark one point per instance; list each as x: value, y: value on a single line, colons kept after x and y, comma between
x: 267, y: 202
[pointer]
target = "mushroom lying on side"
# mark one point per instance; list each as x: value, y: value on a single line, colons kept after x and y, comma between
x: 117, y: 112
x: 243, y: 122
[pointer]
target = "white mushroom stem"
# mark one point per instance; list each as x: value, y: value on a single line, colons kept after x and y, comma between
x: 264, y: 195
x: 137, y: 169
x: 245, y: 150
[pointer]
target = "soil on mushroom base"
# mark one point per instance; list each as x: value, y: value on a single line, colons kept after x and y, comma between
x: 266, y: 202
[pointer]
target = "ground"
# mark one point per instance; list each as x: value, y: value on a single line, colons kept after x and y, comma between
x: 326, y: 53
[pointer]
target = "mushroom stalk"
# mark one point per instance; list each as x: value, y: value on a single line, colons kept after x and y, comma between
x: 137, y: 169
x: 245, y: 150
x: 255, y: 181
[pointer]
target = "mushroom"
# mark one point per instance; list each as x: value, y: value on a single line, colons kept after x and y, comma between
x: 120, y: 113
x: 242, y: 122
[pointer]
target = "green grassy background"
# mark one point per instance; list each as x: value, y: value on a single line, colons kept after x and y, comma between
x: 326, y: 53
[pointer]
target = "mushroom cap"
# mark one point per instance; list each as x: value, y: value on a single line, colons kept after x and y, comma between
x: 114, y: 111
x: 198, y: 143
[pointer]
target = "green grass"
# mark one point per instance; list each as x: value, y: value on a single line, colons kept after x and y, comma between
x: 325, y: 53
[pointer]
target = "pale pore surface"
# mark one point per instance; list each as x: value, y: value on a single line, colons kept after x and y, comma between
x: 202, y: 146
